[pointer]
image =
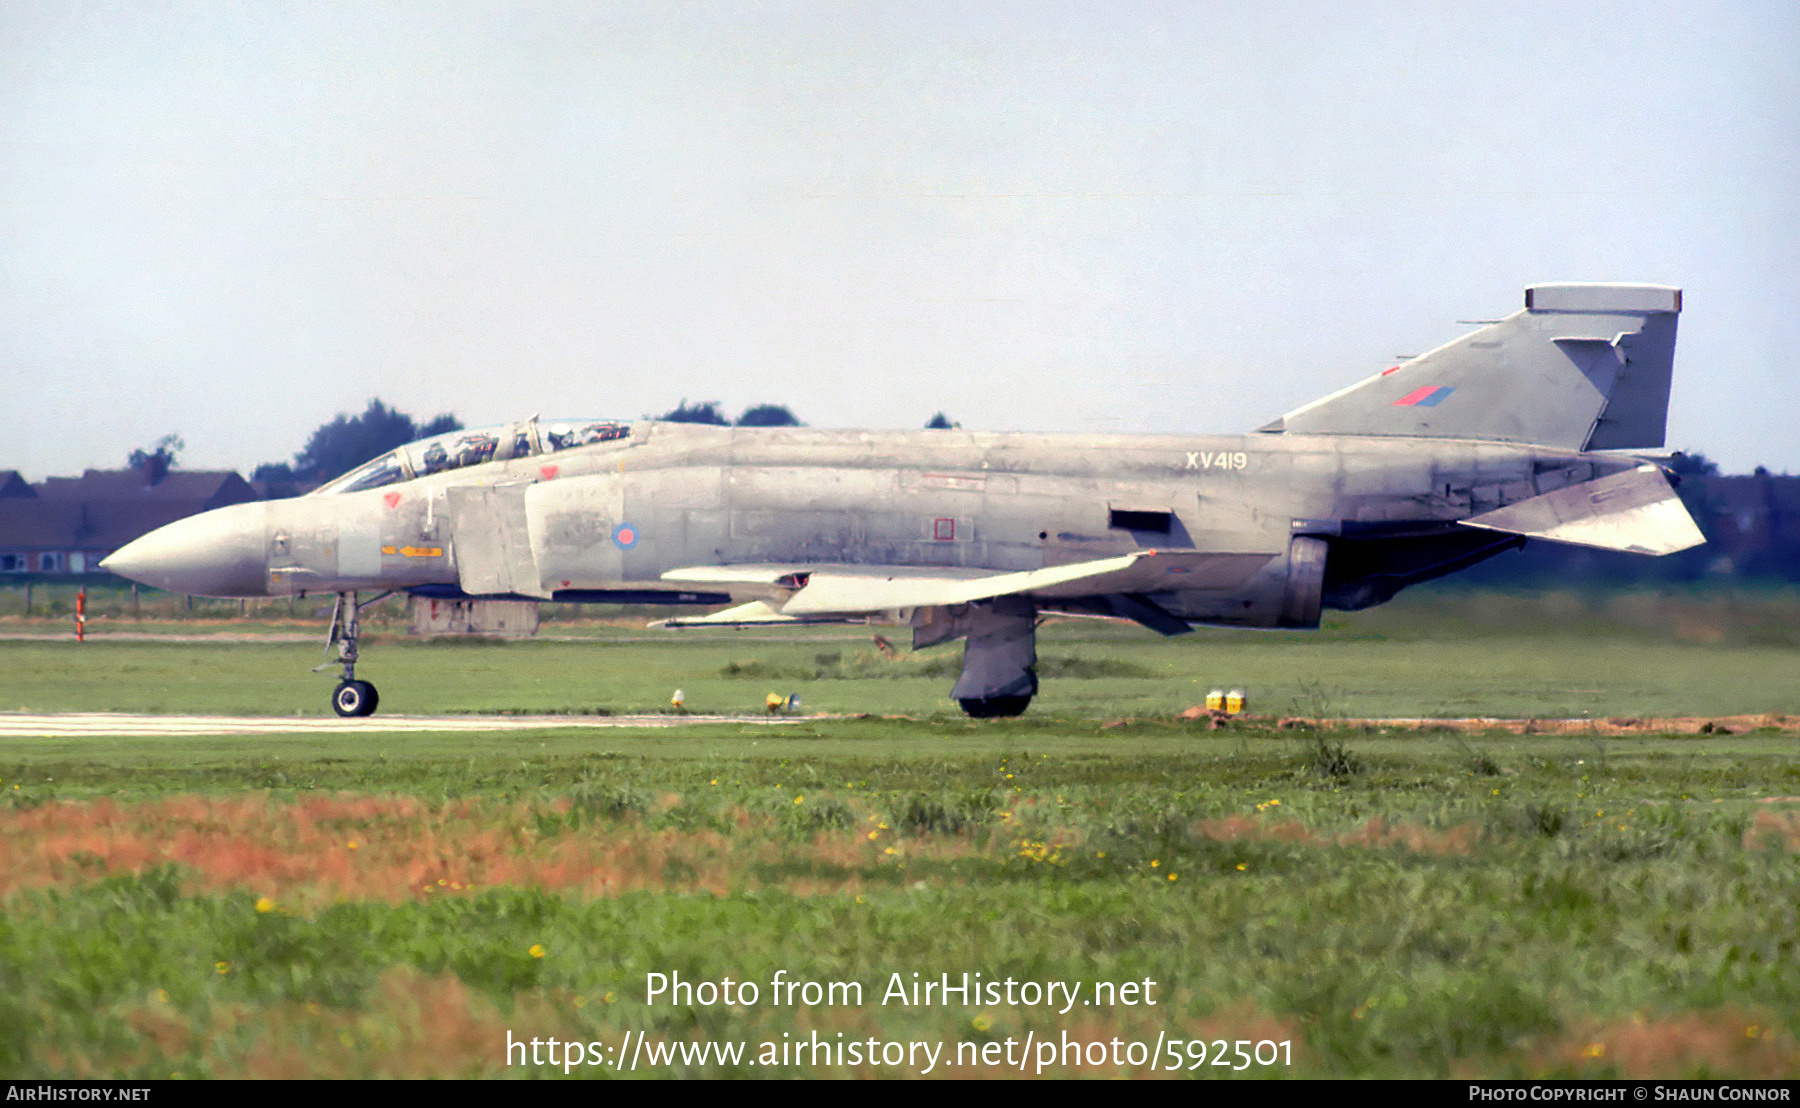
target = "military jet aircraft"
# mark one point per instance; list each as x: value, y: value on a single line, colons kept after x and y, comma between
x: 1524, y: 429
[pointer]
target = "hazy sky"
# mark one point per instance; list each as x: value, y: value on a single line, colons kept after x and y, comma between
x: 233, y: 221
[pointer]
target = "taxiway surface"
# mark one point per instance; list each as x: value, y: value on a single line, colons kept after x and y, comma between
x: 78, y: 724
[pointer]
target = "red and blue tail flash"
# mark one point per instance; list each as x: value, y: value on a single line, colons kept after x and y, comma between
x: 1428, y: 397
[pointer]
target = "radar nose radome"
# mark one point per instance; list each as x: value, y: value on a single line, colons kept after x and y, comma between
x: 219, y: 553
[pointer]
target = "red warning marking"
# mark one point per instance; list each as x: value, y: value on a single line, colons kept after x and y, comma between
x: 1390, y: 369
x: 943, y: 530
x: 393, y: 499
x: 547, y: 472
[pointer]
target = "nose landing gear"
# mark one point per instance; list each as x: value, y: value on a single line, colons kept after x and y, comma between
x: 355, y: 698
x: 351, y: 697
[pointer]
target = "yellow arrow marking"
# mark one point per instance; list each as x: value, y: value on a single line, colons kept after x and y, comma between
x: 415, y: 551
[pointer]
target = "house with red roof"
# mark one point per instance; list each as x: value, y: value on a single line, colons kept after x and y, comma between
x: 66, y: 525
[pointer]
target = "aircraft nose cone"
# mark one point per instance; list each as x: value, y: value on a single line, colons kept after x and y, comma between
x: 218, y: 553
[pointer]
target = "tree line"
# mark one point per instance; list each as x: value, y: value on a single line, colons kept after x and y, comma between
x: 347, y: 441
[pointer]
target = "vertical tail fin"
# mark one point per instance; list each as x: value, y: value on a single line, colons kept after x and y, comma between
x: 1582, y: 367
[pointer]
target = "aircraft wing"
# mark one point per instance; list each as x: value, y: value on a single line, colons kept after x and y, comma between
x: 828, y: 589
x: 789, y: 592
x: 1635, y: 511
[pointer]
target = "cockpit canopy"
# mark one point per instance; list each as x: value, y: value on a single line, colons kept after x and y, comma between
x: 459, y: 449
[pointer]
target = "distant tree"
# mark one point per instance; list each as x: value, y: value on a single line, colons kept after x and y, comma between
x: 159, y: 460
x: 769, y: 415
x: 278, y: 480
x: 438, y: 425
x: 1693, y: 465
x: 941, y: 422
x: 348, y: 441
x: 707, y: 412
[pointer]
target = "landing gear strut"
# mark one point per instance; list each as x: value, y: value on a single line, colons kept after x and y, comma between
x: 351, y: 697
x: 999, y: 655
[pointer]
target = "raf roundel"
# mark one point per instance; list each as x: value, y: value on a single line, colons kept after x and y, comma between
x: 625, y: 535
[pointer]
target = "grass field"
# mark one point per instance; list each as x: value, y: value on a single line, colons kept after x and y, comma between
x: 1448, y: 654
x: 1339, y: 902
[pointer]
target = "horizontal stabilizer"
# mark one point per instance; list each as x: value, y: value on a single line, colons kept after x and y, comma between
x: 1636, y: 511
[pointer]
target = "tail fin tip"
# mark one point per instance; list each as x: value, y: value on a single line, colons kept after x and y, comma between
x: 1576, y: 296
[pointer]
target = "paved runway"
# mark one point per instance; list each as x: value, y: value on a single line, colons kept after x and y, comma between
x: 77, y: 724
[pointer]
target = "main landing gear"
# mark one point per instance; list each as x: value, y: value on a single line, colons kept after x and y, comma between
x: 999, y: 675
x: 351, y: 697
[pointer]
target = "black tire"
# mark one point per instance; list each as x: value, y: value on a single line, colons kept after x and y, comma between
x: 355, y: 698
x: 995, y: 707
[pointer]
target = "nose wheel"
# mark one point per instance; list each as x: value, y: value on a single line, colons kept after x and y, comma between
x: 355, y: 698
x: 351, y: 697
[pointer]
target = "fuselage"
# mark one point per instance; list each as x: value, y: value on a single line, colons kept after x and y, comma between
x: 607, y: 520
x: 1419, y: 470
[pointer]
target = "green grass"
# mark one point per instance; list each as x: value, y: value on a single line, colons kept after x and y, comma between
x: 1435, y: 652
x: 1492, y: 904
x: 1389, y: 903
x: 1088, y: 670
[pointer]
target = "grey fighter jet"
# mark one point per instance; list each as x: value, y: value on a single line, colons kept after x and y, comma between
x: 1524, y: 429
